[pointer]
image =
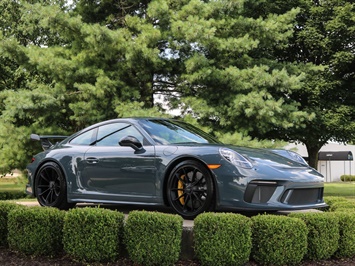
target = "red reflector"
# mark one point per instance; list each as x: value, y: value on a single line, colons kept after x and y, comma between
x: 33, y: 159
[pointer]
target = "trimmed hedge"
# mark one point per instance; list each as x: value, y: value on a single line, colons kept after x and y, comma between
x: 330, y: 200
x: 222, y: 238
x: 5, y: 208
x: 36, y: 230
x: 7, y: 195
x: 339, y: 204
x: 278, y: 240
x: 93, y: 234
x: 347, y: 235
x: 153, y: 238
x: 343, y: 206
x: 348, y: 178
x: 323, y: 234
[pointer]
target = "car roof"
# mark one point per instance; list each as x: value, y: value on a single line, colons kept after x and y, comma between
x: 132, y: 120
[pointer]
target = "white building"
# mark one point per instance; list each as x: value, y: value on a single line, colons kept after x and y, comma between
x: 327, y: 166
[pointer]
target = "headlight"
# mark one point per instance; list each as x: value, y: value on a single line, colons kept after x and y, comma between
x: 235, y: 158
x: 296, y: 157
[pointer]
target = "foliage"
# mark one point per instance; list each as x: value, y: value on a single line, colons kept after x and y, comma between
x: 13, y: 188
x: 92, y: 234
x: 75, y: 74
x: 347, y: 235
x: 233, y: 83
x: 240, y: 140
x: 148, y: 234
x: 5, y: 208
x: 267, y: 70
x: 36, y: 230
x: 10, y: 195
x: 332, y: 200
x: 323, y: 234
x: 322, y: 45
x: 348, y: 178
x: 278, y: 240
x: 342, y: 206
x: 222, y: 238
x: 71, y: 66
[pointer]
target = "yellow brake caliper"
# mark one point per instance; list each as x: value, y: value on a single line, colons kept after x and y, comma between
x: 180, y: 190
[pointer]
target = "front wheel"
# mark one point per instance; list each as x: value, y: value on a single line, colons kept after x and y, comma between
x: 51, y: 188
x: 190, y: 189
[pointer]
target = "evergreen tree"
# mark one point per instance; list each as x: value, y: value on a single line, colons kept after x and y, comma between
x: 229, y: 64
x: 323, y: 47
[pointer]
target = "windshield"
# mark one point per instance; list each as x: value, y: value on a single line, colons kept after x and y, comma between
x: 175, y: 132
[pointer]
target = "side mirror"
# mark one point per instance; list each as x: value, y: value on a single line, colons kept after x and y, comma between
x: 131, y: 141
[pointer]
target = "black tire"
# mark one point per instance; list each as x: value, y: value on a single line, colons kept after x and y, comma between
x: 51, y: 187
x: 190, y: 189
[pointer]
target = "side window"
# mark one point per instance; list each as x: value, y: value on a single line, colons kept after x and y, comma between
x: 86, y: 138
x: 110, y: 135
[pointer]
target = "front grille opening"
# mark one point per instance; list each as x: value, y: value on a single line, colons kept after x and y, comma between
x: 259, y: 193
x: 302, y: 196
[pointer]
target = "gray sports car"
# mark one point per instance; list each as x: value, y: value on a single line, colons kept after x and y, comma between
x: 153, y: 161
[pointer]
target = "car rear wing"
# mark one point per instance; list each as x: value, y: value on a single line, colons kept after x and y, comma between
x: 44, y: 139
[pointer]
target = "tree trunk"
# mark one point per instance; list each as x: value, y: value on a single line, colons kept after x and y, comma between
x: 147, y: 93
x: 313, y: 151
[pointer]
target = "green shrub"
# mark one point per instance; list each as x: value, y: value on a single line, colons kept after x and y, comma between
x: 222, y: 238
x: 347, y: 178
x: 5, y: 208
x: 278, y: 240
x: 36, y: 230
x: 153, y: 238
x: 337, y: 202
x: 93, y: 234
x: 330, y: 200
x: 342, y: 206
x: 347, y: 235
x: 323, y: 234
x: 12, y: 195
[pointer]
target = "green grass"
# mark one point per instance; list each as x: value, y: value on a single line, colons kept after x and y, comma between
x: 340, y: 189
x: 13, y: 184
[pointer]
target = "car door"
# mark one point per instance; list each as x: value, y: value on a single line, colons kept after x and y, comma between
x: 116, y: 173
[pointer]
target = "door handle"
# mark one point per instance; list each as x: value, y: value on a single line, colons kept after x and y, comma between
x: 92, y: 160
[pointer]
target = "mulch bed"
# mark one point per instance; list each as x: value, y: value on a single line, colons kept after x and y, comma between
x: 12, y: 258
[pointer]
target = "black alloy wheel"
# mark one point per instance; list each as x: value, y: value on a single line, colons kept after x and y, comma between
x: 190, y: 189
x: 50, y: 187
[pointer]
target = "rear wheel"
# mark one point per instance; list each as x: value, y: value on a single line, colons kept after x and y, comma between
x: 51, y: 188
x: 190, y: 189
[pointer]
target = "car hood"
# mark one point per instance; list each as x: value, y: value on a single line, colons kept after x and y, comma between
x: 278, y: 166
x: 266, y: 156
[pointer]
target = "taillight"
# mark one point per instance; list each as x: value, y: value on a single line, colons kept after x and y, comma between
x: 33, y: 159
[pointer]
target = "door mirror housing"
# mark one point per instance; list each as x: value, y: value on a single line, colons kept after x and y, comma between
x: 131, y: 141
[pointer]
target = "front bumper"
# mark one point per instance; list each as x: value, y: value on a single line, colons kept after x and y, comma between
x: 263, y: 192
x: 272, y: 195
